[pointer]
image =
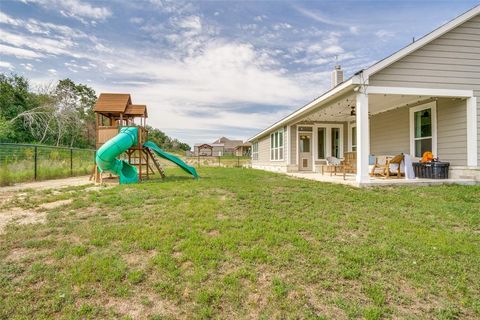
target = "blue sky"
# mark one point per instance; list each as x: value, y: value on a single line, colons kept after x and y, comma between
x: 209, y: 68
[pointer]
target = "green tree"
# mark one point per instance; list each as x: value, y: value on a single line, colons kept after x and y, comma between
x: 15, y: 98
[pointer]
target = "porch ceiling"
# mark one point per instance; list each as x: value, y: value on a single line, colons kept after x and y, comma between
x: 339, y: 111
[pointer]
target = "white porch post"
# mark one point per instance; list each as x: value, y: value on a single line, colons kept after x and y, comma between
x: 289, y: 145
x: 472, y: 143
x: 363, y: 136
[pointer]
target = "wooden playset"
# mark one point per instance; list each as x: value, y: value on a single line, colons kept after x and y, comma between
x: 114, y: 111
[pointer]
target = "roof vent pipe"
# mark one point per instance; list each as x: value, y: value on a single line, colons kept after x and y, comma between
x: 337, y: 76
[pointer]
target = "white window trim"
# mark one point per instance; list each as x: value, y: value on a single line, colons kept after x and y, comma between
x: 254, y: 152
x: 431, y: 105
x: 328, y: 146
x: 351, y: 125
x: 282, y: 130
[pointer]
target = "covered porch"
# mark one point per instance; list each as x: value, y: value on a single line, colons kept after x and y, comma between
x: 372, y: 121
x: 350, y: 180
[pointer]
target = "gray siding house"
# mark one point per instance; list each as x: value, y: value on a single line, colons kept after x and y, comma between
x: 383, y: 110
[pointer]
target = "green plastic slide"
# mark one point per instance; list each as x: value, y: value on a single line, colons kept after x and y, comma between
x: 152, y: 146
x: 106, y: 157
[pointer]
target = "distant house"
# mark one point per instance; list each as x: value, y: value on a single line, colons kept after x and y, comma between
x: 220, y: 147
x: 229, y: 146
x: 243, y: 150
x: 208, y: 149
x: 425, y: 97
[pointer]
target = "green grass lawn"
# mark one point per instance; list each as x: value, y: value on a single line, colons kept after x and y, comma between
x: 241, y: 243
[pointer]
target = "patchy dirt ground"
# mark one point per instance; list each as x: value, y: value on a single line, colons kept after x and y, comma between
x: 18, y: 215
x: 28, y: 216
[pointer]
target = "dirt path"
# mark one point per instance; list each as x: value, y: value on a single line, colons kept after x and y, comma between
x: 48, y: 184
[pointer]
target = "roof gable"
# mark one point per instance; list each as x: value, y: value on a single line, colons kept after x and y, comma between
x: 382, y: 64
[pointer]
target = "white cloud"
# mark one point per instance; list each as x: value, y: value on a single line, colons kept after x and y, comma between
x: 4, y: 18
x: 52, y: 71
x: 317, y: 16
x: 384, y: 34
x: 136, y: 20
x: 333, y: 50
x: 214, y: 80
x: 282, y: 26
x: 45, y: 28
x: 175, y: 6
x: 27, y: 66
x: 6, y: 65
x: 260, y: 18
x: 19, y: 52
x: 42, y: 44
x: 190, y: 22
x: 76, y: 9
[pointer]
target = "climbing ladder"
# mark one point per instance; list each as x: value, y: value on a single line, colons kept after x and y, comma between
x: 156, y: 162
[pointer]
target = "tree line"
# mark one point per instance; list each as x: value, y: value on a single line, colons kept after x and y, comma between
x: 60, y: 114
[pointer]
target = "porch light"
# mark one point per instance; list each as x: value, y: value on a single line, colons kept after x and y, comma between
x: 352, y: 112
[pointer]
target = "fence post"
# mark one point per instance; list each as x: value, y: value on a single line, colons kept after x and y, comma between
x: 71, y: 162
x: 35, y: 163
x: 219, y: 161
x: 198, y: 161
x: 238, y: 161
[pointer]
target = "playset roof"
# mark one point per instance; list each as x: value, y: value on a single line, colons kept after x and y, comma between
x: 139, y: 110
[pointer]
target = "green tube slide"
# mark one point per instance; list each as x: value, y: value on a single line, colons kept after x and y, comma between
x: 106, y: 157
x: 170, y: 157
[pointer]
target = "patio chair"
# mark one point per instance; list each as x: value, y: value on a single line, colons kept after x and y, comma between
x: 350, y: 161
x: 332, y: 165
x: 387, y: 166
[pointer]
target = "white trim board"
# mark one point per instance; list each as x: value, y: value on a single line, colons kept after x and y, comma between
x: 420, y: 92
x: 472, y: 130
x: 350, y: 126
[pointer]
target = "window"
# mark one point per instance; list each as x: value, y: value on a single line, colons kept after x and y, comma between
x: 423, y: 129
x: 354, y: 138
x: 255, y: 151
x: 322, y: 143
x: 335, y: 142
x: 328, y: 141
x: 305, y: 143
x: 276, y: 145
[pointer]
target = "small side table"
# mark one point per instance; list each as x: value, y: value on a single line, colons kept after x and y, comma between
x: 334, y: 171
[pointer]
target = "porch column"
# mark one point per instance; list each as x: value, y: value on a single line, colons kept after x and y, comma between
x: 289, y: 145
x: 363, y: 136
x: 472, y: 144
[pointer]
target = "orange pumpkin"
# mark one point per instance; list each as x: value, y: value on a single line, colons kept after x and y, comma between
x: 427, y: 156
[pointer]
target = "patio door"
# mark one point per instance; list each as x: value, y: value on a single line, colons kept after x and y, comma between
x: 305, y: 151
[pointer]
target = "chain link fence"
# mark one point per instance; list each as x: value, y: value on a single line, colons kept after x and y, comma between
x: 26, y: 162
